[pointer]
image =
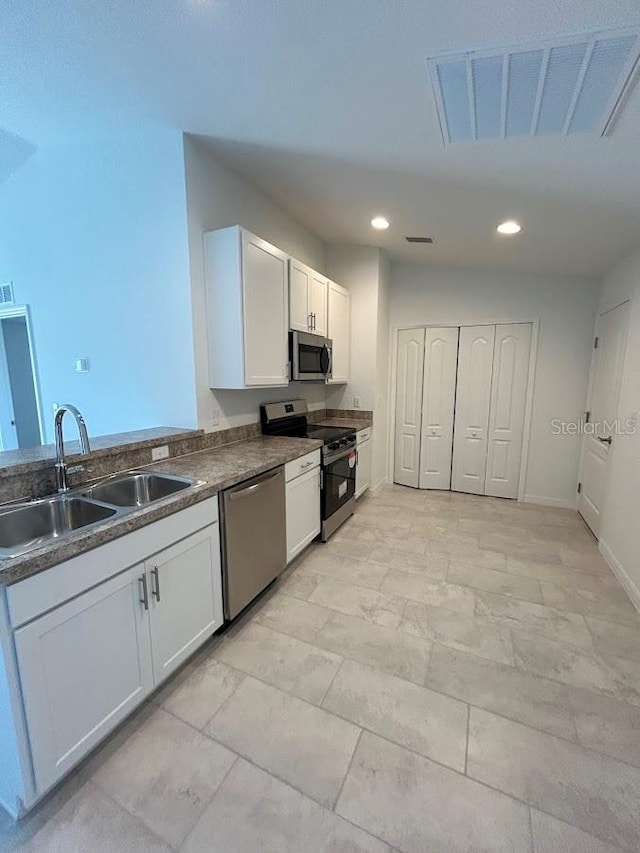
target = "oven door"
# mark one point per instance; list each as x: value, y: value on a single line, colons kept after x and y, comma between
x: 310, y: 356
x: 339, y: 482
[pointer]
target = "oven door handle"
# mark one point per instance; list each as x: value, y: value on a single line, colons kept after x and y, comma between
x: 346, y: 452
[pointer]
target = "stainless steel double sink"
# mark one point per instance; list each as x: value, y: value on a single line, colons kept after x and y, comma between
x: 26, y: 526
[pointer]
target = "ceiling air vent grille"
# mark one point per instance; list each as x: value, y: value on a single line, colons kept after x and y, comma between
x: 565, y: 87
x: 6, y: 293
x: 419, y: 239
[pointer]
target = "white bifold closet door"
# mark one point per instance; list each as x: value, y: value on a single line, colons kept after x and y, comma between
x: 438, y: 401
x: 409, y: 406
x: 473, y: 399
x: 511, y: 354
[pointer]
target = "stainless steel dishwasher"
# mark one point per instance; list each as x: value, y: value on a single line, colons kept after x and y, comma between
x: 254, y: 538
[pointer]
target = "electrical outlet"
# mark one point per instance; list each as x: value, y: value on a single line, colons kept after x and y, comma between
x: 357, y: 402
x: 159, y: 453
x: 215, y: 417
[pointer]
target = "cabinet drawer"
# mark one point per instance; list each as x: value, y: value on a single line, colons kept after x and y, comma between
x: 364, y: 435
x: 301, y: 465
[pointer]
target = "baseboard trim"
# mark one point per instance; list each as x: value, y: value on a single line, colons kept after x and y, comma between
x: 555, y: 502
x: 619, y: 571
x: 379, y: 485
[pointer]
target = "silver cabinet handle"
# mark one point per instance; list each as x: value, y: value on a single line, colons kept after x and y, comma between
x: 142, y: 580
x: 155, y: 587
x: 306, y: 465
x: 310, y: 322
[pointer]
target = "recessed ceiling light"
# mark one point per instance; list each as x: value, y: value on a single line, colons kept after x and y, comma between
x: 380, y: 222
x: 509, y: 227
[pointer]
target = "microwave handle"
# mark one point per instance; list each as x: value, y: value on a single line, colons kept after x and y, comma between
x: 325, y: 360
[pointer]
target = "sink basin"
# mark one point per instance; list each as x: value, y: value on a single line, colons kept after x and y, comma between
x: 136, y: 489
x: 26, y: 526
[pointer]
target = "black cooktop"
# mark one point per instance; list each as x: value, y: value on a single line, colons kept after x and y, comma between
x: 327, y: 434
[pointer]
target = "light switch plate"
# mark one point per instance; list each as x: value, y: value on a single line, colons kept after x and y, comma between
x: 161, y: 452
x: 357, y: 402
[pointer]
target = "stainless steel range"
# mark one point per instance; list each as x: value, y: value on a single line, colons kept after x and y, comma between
x: 337, y: 500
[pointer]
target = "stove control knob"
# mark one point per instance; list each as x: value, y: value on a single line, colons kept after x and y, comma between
x: 335, y: 445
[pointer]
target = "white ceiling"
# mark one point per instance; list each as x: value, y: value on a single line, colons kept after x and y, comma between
x: 326, y: 105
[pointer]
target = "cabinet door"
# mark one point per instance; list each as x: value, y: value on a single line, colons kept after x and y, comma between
x: 185, y: 590
x: 339, y: 331
x: 83, y: 667
x: 363, y: 471
x: 318, y: 304
x: 266, y: 313
x: 408, y: 407
x: 475, y: 364
x: 303, y: 512
x: 508, y: 401
x: 438, y: 400
x: 299, y: 289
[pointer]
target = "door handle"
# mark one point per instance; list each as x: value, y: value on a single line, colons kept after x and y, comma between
x: 606, y: 440
x: 155, y: 587
x: 142, y: 580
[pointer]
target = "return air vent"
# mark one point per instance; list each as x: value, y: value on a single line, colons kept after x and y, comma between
x: 571, y: 86
x: 6, y: 293
x: 419, y: 239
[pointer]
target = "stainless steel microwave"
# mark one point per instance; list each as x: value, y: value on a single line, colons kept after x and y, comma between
x: 310, y: 356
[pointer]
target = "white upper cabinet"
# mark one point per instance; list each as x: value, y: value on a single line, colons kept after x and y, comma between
x: 338, y: 331
x: 247, y: 310
x: 318, y: 303
x: 307, y: 299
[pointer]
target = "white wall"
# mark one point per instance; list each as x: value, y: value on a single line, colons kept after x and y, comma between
x: 94, y: 237
x: 364, y: 271
x: 357, y: 268
x: 216, y: 198
x: 565, y: 308
x: 620, y: 533
x: 380, y: 461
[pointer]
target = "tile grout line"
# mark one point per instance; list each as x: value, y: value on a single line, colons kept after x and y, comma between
x: 211, y: 799
x: 135, y: 817
x: 533, y: 839
x: 466, y: 750
x: 344, y: 778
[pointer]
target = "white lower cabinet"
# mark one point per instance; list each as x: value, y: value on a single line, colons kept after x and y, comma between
x: 303, y: 506
x: 83, y: 667
x: 86, y: 664
x: 363, y: 468
x: 185, y: 599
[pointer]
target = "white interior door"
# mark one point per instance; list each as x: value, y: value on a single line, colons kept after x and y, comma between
x: 473, y: 396
x: 511, y: 353
x: 409, y: 406
x: 438, y: 401
x: 606, y: 377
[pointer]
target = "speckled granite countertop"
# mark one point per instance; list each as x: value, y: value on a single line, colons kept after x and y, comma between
x: 355, y: 423
x: 214, y: 471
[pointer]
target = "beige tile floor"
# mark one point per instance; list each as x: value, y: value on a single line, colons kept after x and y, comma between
x: 450, y: 673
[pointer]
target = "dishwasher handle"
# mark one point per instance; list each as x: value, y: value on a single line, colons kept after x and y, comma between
x: 248, y: 491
